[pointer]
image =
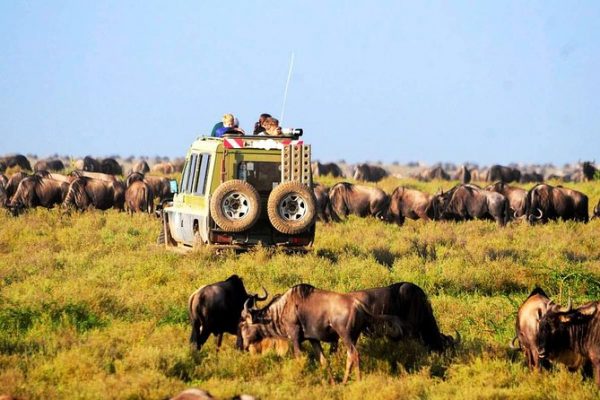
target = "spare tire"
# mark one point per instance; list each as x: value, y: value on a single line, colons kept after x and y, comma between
x: 235, y: 206
x: 291, y: 208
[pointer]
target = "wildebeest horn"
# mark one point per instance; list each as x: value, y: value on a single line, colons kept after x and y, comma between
x: 259, y: 298
x: 512, y: 343
x: 541, y: 214
x: 570, y: 304
x: 246, y: 308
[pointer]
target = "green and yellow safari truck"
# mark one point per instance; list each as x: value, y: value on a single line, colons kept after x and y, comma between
x: 239, y: 191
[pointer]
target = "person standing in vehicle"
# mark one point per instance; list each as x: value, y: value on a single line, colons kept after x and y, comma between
x: 271, y: 126
x: 258, y: 125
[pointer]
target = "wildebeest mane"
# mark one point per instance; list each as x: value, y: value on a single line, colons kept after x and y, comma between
x: 537, y: 290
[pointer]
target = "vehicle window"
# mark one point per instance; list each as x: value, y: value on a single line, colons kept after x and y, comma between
x: 264, y: 176
x: 200, y: 186
x: 191, y: 173
x: 185, y: 177
x: 196, y: 174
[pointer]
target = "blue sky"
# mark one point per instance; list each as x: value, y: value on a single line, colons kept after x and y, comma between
x: 488, y: 81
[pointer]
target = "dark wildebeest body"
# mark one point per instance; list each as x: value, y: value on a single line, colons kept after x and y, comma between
x: 216, y: 309
x: 514, y: 195
x: 463, y: 175
x: 363, y: 201
x: 409, y: 303
x: 34, y: 191
x: 323, y: 204
x: 369, y: 173
x: 467, y: 202
x: 111, y: 166
x: 503, y: 174
x: 139, y: 198
x: 48, y: 165
x: 527, y: 177
x: 141, y: 167
x: 17, y: 160
x: 589, y: 171
x: 306, y: 313
x: 85, y: 192
x: 90, y: 164
x: 13, y: 183
x: 544, y: 202
x: 572, y: 337
x: 527, y: 325
x: 409, y: 203
x: 159, y: 184
x: 434, y: 173
x: 332, y: 169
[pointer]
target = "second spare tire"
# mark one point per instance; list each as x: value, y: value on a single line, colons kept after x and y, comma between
x: 291, y: 208
x: 235, y: 206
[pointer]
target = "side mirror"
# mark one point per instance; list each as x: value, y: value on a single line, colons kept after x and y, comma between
x: 173, y: 186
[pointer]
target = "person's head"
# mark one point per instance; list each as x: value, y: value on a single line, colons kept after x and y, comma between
x: 271, y: 126
x: 263, y: 117
x: 228, y: 120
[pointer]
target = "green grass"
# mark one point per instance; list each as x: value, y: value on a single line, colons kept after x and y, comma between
x: 91, y: 308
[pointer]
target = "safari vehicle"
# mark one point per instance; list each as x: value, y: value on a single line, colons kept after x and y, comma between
x: 239, y: 191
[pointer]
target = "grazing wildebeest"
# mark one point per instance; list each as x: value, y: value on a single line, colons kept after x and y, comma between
x: 544, y: 202
x: 332, y: 169
x: 323, y: 203
x: 597, y: 210
x: 527, y: 325
x: 527, y: 177
x: 514, y: 195
x: 571, y: 336
x: 111, y: 166
x: 409, y: 203
x: 434, y: 173
x: 409, y: 303
x: 363, y: 201
x: 36, y: 191
x: 159, y: 184
x: 463, y: 175
x: 139, y: 198
x: 503, y: 174
x: 17, y: 160
x: 48, y: 165
x: 13, y: 183
x: 90, y: 164
x: 85, y: 192
x: 165, y: 168
x: 589, y: 171
x: 307, y: 313
x: 217, y: 309
x: 141, y: 167
x: 369, y: 173
x: 466, y: 202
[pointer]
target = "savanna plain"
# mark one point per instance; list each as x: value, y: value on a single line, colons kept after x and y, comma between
x: 92, y: 308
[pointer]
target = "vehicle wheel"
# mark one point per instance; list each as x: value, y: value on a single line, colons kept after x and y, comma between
x: 291, y: 208
x: 235, y: 206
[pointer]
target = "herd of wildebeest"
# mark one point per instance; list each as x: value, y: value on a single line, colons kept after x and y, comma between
x: 546, y: 332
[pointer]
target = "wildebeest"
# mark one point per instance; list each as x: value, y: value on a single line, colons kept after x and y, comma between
x: 307, y: 313
x: 571, y: 336
x: 434, y: 173
x: 589, y: 171
x: 466, y: 202
x: 85, y: 192
x: 463, y: 175
x: 14, y: 161
x: 216, y: 309
x: 110, y: 166
x: 409, y: 203
x: 49, y: 165
x: 139, y: 197
x: 90, y: 164
x: 409, y: 303
x: 369, y: 173
x: 360, y: 200
x: 36, y: 191
x: 514, y: 195
x: 332, y: 169
x: 141, y: 167
x: 160, y: 185
x: 597, y: 210
x: 323, y: 203
x: 527, y: 325
x: 544, y: 202
x: 199, y: 394
x: 503, y: 174
x: 165, y: 168
x: 527, y: 177
x: 13, y: 182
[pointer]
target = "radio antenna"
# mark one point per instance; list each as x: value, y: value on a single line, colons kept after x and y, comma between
x: 287, y: 84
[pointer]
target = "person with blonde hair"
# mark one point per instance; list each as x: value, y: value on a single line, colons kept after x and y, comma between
x: 229, y: 126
